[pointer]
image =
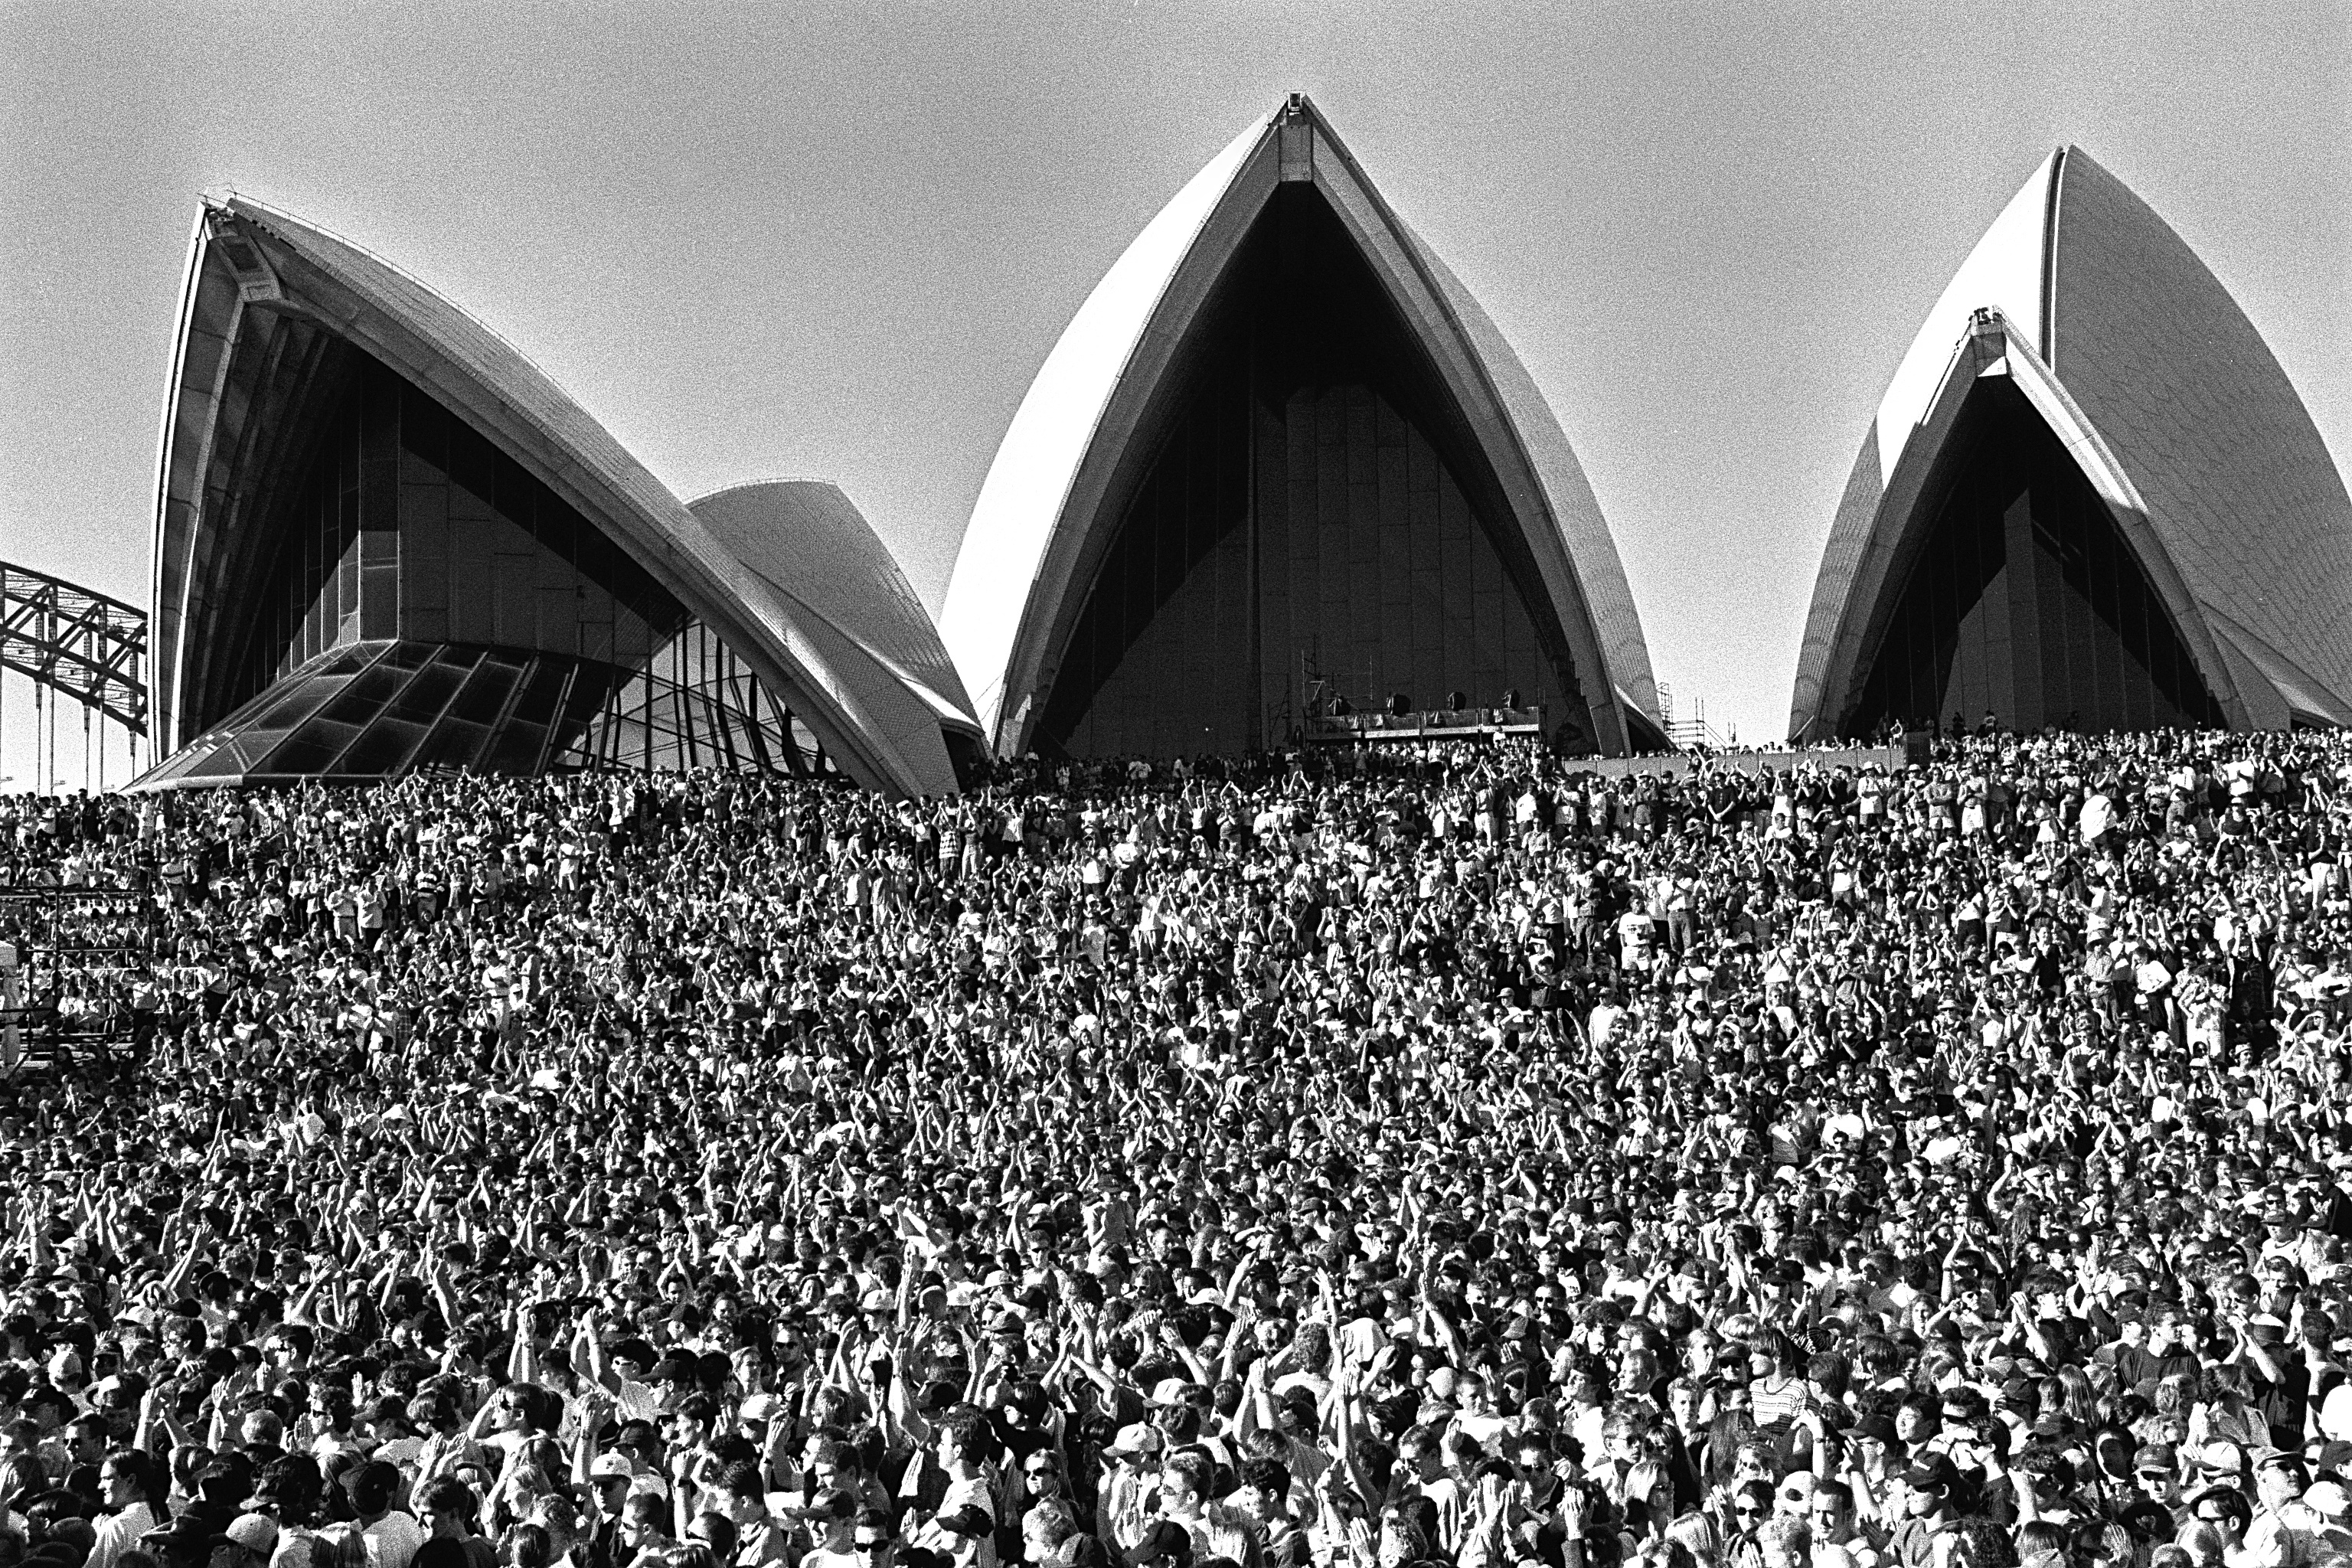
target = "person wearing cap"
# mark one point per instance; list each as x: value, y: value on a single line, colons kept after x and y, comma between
x: 2223, y: 1510
x: 2280, y: 1531
x: 2330, y: 1503
x: 1130, y: 1490
x: 2155, y: 1467
x: 830, y: 1521
x: 607, y: 1481
x: 392, y: 1537
x: 2278, y: 1376
x: 182, y: 1542
x: 1159, y: 1543
x: 250, y: 1540
x: 1930, y: 1513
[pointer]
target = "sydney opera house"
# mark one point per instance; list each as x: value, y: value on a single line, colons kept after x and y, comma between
x: 1280, y: 449
x: 386, y: 542
x: 2090, y: 499
x: 1279, y: 457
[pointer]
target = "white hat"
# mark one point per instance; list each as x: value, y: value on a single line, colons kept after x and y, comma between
x: 1138, y: 1438
x: 254, y: 1531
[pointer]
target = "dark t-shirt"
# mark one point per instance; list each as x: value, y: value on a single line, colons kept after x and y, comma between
x: 2283, y: 1404
x: 2135, y: 1365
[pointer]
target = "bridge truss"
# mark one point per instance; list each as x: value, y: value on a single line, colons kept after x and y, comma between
x: 74, y: 644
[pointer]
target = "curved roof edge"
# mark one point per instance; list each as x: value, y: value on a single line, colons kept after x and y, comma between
x: 1578, y: 554
x: 1021, y: 553
x: 1879, y: 523
x: 247, y: 256
x: 809, y: 543
x: 1028, y: 484
x: 2141, y: 363
x: 2238, y: 481
x: 808, y: 532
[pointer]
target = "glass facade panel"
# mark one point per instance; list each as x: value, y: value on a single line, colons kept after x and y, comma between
x: 696, y: 705
x: 1317, y: 520
x: 408, y: 524
x: 427, y: 693
x: 313, y: 748
x: 426, y: 602
x: 454, y: 744
x: 382, y: 752
x: 2022, y: 598
x: 485, y: 695
x: 298, y: 703
x: 365, y: 696
x: 222, y: 762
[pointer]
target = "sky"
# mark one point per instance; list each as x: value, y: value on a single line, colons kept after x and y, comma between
x: 837, y: 241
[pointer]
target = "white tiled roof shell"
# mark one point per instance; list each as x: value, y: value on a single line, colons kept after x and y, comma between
x: 1012, y: 528
x: 2240, y: 490
x: 2237, y: 480
x: 487, y: 381
x: 810, y: 543
x: 1014, y: 566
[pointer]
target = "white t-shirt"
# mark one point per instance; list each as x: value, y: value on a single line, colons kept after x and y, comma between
x: 393, y: 1540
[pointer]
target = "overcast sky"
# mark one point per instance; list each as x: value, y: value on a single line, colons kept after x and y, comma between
x: 832, y: 240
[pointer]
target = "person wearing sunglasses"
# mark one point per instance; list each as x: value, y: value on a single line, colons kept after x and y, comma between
x: 1746, y: 1507
x: 872, y: 1544
x: 1928, y: 1513
x: 1043, y: 1477
x: 2224, y: 1511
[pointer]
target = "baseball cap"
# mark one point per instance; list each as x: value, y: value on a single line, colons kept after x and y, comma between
x: 2221, y: 1458
x: 2281, y: 1458
x: 254, y: 1532
x: 1166, y: 1541
x: 1136, y: 1439
x: 1932, y: 1472
x: 2156, y: 1458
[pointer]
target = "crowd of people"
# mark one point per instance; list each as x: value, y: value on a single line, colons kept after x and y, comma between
x: 1451, y: 1157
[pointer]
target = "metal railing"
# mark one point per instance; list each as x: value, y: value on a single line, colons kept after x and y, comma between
x: 1423, y: 724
